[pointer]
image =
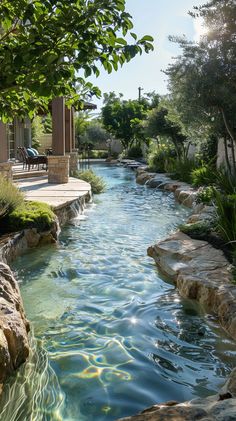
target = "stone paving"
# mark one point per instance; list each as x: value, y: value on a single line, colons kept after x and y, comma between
x: 55, y: 195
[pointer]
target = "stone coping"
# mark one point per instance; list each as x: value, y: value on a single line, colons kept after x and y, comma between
x: 55, y: 195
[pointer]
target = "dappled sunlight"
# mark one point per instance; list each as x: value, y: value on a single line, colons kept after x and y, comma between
x: 117, y: 336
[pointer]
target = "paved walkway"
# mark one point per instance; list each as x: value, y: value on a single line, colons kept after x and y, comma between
x: 55, y: 195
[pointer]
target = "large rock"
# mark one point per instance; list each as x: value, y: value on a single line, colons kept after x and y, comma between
x: 144, y: 176
x: 14, y: 327
x: 200, y: 272
x: 219, y: 407
x: 158, y: 181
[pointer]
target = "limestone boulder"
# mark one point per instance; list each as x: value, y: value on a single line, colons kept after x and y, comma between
x: 200, y: 272
x: 143, y: 177
x: 14, y: 327
x: 219, y: 407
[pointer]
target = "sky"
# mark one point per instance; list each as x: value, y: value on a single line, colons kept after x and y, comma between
x: 159, y: 18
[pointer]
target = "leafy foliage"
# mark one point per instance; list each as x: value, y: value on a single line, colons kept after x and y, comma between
x: 197, y: 229
x: 226, y: 216
x: 159, y: 155
x: 98, y: 154
x: 122, y: 118
x: 202, y: 80
x: 48, y: 47
x: 135, y: 152
x: 225, y: 181
x: 203, y: 176
x: 94, y: 134
x: 181, y: 169
x: 96, y: 182
x: 159, y: 124
x: 36, y: 131
x: 10, y: 197
x: 206, y: 195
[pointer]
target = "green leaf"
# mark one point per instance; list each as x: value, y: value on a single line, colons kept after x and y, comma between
x: 121, y: 41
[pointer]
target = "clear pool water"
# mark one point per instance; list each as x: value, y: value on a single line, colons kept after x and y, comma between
x: 111, y: 335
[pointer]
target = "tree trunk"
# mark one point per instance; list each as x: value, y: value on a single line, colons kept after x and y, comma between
x: 227, y: 155
x: 233, y: 155
x: 228, y: 128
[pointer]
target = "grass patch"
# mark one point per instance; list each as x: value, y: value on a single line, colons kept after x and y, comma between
x: 28, y: 215
x: 96, y: 182
x: 10, y: 197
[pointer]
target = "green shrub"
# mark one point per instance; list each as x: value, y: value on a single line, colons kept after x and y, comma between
x: 225, y: 181
x: 197, y: 229
x: 206, y: 195
x: 182, y: 169
x: 203, y: 176
x: 226, y: 217
x: 96, y: 182
x: 207, y: 150
x: 135, y: 152
x: 10, y: 197
x: 28, y: 215
x: 160, y: 157
x: 98, y: 154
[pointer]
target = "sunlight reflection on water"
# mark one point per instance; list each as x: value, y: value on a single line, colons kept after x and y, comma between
x: 114, y: 337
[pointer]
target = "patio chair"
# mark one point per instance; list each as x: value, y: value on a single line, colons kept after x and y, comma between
x: 30, y: 159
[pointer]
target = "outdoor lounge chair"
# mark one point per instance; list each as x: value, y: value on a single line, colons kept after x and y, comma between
x: 31, y: 157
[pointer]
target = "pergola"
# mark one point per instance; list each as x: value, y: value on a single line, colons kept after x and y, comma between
x: 64, y: 154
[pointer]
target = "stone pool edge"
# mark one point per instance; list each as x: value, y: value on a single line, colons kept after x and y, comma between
x: 200, y: 272
x: 14, y: 327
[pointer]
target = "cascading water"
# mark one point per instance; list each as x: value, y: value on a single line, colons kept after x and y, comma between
x: 111, y: 335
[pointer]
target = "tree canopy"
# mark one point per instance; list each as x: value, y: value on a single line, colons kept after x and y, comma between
x: 48, y: 48
x: 94, y: 134
x: 202, y: 80
x: 122, y: 118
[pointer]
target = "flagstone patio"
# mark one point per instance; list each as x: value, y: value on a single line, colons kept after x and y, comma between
x: 55, y: 195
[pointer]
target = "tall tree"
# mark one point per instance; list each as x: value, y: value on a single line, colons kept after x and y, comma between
x: 49, y: 47
x: 94, y: 134
x: 203, y: 78
x: 160, y: 123
x: 122, y: 118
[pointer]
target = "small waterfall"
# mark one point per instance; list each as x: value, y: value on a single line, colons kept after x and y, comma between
x: 34, y: 394
x: 77, y: 209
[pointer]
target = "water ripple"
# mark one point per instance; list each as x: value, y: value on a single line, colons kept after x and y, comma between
x: 115, y: 337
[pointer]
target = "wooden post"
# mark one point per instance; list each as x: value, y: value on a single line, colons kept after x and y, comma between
x: 3, y: 143
x: 68, y: 130
x: 58, y: 126
x: 73, y: 127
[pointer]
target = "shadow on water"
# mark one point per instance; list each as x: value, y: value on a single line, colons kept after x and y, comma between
x: 111, y: 335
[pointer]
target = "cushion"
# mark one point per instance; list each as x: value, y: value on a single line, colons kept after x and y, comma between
x: 30, y: 152
x: 35, y: 151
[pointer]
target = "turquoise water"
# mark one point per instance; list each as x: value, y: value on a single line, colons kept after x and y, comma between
x: 111, y: 336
